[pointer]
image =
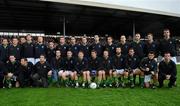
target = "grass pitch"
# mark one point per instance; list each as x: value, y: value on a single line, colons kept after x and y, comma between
x: 89, y: 97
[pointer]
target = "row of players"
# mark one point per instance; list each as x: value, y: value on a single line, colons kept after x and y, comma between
x: 105, y: 71
x: 32, y: 51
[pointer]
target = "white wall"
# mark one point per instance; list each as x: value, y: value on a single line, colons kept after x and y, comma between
x: 164, y: 7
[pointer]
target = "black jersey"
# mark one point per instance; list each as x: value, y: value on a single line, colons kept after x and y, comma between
x: 148, y: 63
x: 168, y: 46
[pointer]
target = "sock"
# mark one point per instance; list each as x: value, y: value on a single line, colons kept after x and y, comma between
x: 120, y: 79
x: 49, y: 79
x: 59, y: 80
x: 76, y: 81
x: 7, y: 82
x: 125, y: 80
x: 115, y: 79
x: 109, y: 81
x: 142, y: 80
x: 131, y: 79
x: 65, y: 81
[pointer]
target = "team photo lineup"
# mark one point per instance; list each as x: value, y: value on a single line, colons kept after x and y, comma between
x: 28, y: 62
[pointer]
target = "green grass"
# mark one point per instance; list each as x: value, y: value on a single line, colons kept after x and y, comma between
x: 89, y: 97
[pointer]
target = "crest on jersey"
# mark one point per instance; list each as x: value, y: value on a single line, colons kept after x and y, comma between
x: 45, y: 66
x: 121, y: 59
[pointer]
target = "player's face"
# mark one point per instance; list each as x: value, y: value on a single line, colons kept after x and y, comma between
x: 12, y: 58
x: 151, y: 56
x: 40, y: 39
x: 105, y: 53
x: 73, y: 40
x: 166, y: 33
x: 58, y: 53
x: 167, y: 57
x: 42, y: 59
x: 69, y: 54
x: 137, y: 37
x: 15, y: 41
x: 118, y: 50
x: 96, y: 38
x: 29, y: 38
x: 131, y: 52
x: 80, y: 55
x: 109, y: 40
x: 23, y: 40
x: 23, y: 62
x: 84, y: 40
x: 62, y: 40
x: 123, y: 38
x: 51, y: 44
x: 93, y: 54
x: 5, y: 42
x: 149, y: 37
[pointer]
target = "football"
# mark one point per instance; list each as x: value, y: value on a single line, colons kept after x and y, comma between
x: 93, y: 85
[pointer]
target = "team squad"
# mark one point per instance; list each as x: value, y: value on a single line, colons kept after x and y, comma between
x: 77, y: 65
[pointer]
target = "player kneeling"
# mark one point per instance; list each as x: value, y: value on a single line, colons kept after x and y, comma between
x: 81, y: 66
x: 167, y: 71
x: 42, y: 73
x: 69, y: 75
x: 24, y: 73
x: 10, y: 75
x: 149, y: 67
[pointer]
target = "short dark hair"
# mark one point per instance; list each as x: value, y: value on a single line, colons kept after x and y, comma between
x: 43, y: 55
x: 93, y: 51
x: 167, y: 52
x: 150, y: 34
x: 106, y: 50
x: 25, y: 59
x: 69, y: 51
x: 151, y: 52
x: 166, y: 29
x: 118, y: 47
x: 131, y: 49
x: 110, y: 37
x: 81, y: 51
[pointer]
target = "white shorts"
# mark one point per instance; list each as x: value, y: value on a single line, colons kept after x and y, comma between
x: 66, y: 72
x: 134, y: 70
x: 147, y: 78
x: 32, y: 60
x: 120, y: 71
